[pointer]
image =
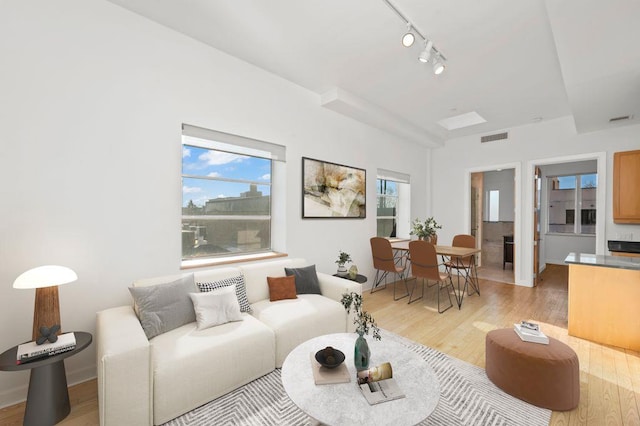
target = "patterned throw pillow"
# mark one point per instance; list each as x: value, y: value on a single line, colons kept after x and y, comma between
x: 241, y: 290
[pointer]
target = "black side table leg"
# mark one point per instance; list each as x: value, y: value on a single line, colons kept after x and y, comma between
x: 48, y: 397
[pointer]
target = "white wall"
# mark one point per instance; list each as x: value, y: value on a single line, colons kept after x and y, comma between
x: 500, y: 181
x: 526, y: 146
x: 93, y: 98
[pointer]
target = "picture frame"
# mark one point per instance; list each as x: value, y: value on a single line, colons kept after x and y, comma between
x: 331, y: 190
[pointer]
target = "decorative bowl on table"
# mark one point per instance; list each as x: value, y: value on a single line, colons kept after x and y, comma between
x: 330, y: 357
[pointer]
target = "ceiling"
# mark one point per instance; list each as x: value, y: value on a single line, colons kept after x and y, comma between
x: 512, y: 62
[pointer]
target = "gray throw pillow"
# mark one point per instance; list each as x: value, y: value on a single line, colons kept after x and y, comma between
x: 306, y: 279
x: 164, y: 307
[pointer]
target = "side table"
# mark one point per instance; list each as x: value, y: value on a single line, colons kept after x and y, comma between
x: 359, y: 278
x: 48, y: 397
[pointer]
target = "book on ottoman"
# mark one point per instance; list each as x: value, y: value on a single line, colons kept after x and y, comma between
x: 530, y: 335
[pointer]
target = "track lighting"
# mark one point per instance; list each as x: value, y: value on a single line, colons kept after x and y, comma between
x: 409, y: 38
x: 426, y: 53
x: 438, y: 64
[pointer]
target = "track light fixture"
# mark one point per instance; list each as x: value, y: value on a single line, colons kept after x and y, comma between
x: 426, y: 53
x: 438, y: 64
x: 408, y: 39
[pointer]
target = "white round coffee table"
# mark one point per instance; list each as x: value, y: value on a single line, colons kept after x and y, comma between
x: 343, y: 403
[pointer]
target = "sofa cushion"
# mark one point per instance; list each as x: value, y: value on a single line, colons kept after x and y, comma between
x: 306, y: 279
x: 164, y: 307
x: 281, y: 288
x: 297, y: 320
x: 241, y: 290
x: 216, y: 307
x: 192, y: 367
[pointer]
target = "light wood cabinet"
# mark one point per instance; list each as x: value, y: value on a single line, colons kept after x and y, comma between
x: 626, y: 182
x: 603, y: 305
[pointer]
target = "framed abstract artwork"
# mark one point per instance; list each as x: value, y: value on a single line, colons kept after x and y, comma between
x: 332, y: 190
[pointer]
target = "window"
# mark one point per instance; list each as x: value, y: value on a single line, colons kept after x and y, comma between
x: 494, y: 205
x: 226, y: 194
x: 387, y: 212
x: 568, y: 195
x: 393, y: 194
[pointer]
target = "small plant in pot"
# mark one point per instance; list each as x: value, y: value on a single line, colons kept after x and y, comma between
x: 364, y: 322
x: 425, y: 230
x: 342, y: 259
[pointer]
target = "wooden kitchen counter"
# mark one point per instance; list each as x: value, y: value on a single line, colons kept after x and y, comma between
x: 604, y: 299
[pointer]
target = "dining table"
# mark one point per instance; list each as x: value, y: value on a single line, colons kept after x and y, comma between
x: 455, y: 254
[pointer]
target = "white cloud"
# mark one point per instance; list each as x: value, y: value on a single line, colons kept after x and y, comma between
x: 216, y: 158
x: 191, y: 189
x: 214, y: 174
x: 266, y: 177
x: 186, y: 152
x: 222, y: 196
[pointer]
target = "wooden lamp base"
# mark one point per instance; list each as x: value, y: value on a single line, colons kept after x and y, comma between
x: 46, y: 311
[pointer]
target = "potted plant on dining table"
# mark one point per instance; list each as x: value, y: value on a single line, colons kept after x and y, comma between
x: 426, y: 230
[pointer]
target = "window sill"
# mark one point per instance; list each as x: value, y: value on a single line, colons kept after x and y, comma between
x: 569, y: 234
x: 201, y: 263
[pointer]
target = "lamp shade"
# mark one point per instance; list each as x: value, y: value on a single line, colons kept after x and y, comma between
x: 45, y: 276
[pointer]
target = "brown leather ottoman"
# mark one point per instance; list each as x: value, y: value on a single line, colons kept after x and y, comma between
x: 544, y: 375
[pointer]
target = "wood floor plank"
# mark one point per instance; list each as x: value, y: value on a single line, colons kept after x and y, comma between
x: 611, y: 391
x: 633, y: 363
x: 626, y: 394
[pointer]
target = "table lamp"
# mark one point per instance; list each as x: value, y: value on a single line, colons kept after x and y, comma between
x: 45, y: 279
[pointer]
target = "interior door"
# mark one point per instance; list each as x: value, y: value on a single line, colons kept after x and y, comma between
x: 476, y: 211
x: 537, y: 182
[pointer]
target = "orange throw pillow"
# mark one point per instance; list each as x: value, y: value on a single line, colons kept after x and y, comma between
x: 282, y: 288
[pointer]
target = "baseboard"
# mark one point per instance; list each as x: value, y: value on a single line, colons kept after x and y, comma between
x: 18, y: 394
x: 14, y: 396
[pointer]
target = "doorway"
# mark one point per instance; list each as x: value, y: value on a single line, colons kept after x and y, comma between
x: 492, y: 213
x: 555, y: 246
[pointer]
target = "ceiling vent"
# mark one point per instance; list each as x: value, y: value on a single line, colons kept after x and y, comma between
x: 495, y: 137
x: 621, y: 118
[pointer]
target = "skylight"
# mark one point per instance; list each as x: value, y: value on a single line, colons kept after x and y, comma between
x: 463, y: 120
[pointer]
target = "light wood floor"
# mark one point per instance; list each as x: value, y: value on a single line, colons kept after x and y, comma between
x: 609, y: 377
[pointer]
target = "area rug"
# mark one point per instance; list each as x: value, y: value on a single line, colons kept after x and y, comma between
x: 467, y: 397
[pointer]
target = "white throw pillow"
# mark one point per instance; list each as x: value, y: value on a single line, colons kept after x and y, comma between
x: 216, y: 307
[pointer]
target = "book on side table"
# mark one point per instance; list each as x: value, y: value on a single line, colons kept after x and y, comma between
x: 377, y: 384
x: 328, y: 376
x: 31, y: 351
x: 530, y: 332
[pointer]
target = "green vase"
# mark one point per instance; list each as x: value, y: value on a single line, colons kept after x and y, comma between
x: 361, y: 354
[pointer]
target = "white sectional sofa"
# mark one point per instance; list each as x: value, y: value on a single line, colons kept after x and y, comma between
x: 145, y: 381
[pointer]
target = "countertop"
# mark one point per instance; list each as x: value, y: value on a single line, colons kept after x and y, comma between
x: 631, y: 263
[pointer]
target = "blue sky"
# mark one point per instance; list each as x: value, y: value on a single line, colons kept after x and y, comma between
x: 569, y: 182
x: 204, y: 162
